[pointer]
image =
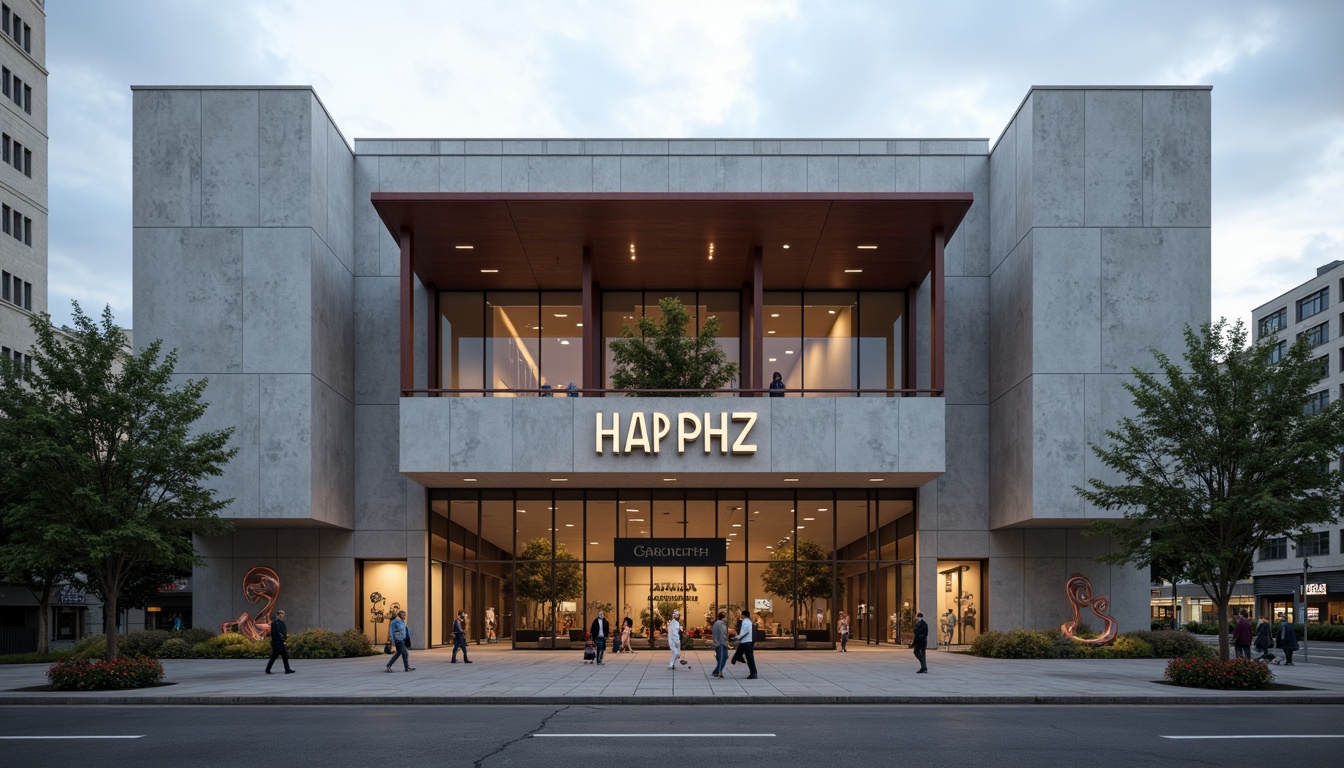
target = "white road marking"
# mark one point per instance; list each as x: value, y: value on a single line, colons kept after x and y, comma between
x: 650, y: 735
x: 1267, y: 736
x: 11, y: 738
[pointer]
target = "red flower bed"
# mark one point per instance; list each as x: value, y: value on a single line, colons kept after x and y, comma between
x: 1235, y: 674
x: 100, y: 675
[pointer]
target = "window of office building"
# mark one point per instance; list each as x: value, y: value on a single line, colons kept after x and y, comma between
x: 1314, y: 544
x: 1274, y: 323
x: 1274, y: 549
x: 1317, y: 335
x: 1323, y: 364
x: 1317, y: 401
x: 1278, y: 351
x: 1313, y: 304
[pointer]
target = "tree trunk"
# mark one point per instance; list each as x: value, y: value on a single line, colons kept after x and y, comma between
x: 44, y: 619
x: 1220, y: 605
x: 110, y: 625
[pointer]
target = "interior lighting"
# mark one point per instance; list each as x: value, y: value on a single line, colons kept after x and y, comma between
x: 774, y: 314
x: 632, y: 251
x: 635, y: 520
x: 571, y: 525
x: 711, y: 251
x: 831, y: 311
x: 801, y: 527
x: 578, y: 325
x: 786, y: 246
x: 468, y: 479
x: 769, y: 331
x: 670, y: 479
x: 560, y: 315
x: 853, y: 271
x: 464, y: 247
x: 876, y: 479
x: 809, y: 518
x: 564, y: 342
x: 489, y: 271
x: 732, y: 534
x: 592, y: 543
x: 790, y: 479
x: 788, y: 351
x: 867, y: 247
x: 559, y: 479
x: 767, y: 546
x: 737, y: 525
x: 821, y: 509
x: 773, y: 360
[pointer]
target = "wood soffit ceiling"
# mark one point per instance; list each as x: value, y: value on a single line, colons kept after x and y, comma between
x: 536, y: 241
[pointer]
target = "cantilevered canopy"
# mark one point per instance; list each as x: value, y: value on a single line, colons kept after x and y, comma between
x: 536, y: 241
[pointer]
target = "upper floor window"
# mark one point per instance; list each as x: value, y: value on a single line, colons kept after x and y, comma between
x: 16, y: 291
x: 1277, y: 352
x: 1324, y: 363
x: 21, y: 33
x: 1313, y: 544
x: 1317, y: 402
x: 1317, y: 335
x: 1274, y: 323
x: 1274, y: 549
x: 17, y: 155
x: 1316, y: 302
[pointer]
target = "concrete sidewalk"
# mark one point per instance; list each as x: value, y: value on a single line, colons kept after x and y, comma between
x: 503, y: 676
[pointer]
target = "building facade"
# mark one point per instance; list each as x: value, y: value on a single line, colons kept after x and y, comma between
x: 1284, y: 565
x: 411, y: 338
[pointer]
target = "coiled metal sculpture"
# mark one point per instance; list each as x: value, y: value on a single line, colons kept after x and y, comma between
x: 260, y: 583
x: 1079, y: 590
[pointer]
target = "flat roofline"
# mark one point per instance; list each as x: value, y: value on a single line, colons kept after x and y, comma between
x: 1033, y: 88
x: 349, y: 145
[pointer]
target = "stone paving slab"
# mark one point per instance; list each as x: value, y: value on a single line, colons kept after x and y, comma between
x: 499, y: 675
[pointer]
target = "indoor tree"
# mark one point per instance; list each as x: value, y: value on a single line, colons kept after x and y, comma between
x: 1222, y: 454
x: 662, y: 356
x: 547, y: 575
x: 811, y: 578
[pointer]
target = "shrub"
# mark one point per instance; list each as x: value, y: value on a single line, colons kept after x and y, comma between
x: 232, y: 646
x: 1158, y: 625
x: 91, y: 647
x: 1234, y: 674
x: 145, y: 642
x: 99, y: 675
x: 356, y: 643
x: 194, y: 635
x: 1171, y: 643
x: 1014, y: 644
x: 174, y: 648
x: 316, y: 643
x: 37, y: 658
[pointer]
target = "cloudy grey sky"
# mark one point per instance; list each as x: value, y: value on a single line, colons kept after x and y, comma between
x: 717, y: 69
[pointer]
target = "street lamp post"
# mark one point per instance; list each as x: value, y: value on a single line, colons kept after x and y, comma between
x: 1306, y: 566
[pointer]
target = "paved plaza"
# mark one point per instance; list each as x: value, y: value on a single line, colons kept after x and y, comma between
x: 500, y: 675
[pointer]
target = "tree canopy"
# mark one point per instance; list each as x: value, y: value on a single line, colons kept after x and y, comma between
x: 812, y: 578
x: 102, y: 465
x: 663, y: 356
x: 547, y: 575
x: 1224, y: 453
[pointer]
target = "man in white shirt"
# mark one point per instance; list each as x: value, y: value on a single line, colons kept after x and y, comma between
x: 746, y: 643
x: 674, y: 639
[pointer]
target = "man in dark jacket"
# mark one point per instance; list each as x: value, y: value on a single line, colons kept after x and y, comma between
x: 279, y: 634
x: 599, y: 633
x: 921, y: 641
x: 1241, y: 636
x: 460, y: 637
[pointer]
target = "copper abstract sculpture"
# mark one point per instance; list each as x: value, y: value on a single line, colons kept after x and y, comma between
x: 260, y: 583
x: 1079, y: 590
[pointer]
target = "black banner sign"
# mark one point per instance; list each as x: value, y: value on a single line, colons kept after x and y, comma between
x: 673, y: 552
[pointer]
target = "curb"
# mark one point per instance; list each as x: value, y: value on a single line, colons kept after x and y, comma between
x: 1228, y: 700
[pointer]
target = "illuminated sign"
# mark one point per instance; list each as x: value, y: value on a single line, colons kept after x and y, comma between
x: 1316, y: 588
x: 675, y: 552
x: 646, y: 432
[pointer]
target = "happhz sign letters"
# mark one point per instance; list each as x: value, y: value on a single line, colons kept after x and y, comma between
x: 671, y: 552
x: 646, y: 432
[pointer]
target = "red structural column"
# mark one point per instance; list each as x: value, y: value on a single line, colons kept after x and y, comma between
x: 592, y: 335
x: 432, y: 372
x: 911, y: 377
x: 407, y: 309
x: 936, y: 312
x: 757, y: 329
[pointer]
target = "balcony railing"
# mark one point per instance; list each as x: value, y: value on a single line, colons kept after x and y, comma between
x: 603, y: 392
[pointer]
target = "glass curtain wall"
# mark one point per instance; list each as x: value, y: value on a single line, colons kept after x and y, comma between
x: 834, y: 340
x: 625, y: 308
x: 523, y: 342
x: 534, y: 567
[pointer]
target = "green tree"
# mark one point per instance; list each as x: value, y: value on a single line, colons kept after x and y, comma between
x: 30, y: 561
x: 547, y: 576
x: 812, y: 578
x: 663, y: 356
x: 102, y: 461
x: 1223, y: 453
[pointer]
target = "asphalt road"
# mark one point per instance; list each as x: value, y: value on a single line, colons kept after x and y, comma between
x: 744, y: 735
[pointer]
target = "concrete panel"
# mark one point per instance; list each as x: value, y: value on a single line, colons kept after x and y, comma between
x: 335, y: 543
x: 421, y: 300
x: 337, y: 584
x: 451, y: 147
x: 1129, y: 598
x: 922, y: 434
x: 1113, y: 160
x: 873, y: 147
x: 922, y: 318
x: 484, y: 147
x: 823, y: 174
x: 340, y: 198
x: 377, y: 340
x: 800, y: 147
x: 803, y: 435
x: 166, y: 162
x: 255, y: 543
x: 230, y: 152
x: 1085, y: 546
x: 1010, y: 324
x: 423, y: 434
x: 963, y: 545
x: 1010, y: 457
x: 212, y: 588
x: 1057, y: 159
x: 554, y: 147
x: 213, y: 546
x: 1003, y: 197
x: 606, y: 174
x: 415, y: 504
x: 559, y: 173
x: 302, y: 592
x: 483, y: 174
x: 369, y: 229
x: 286, y: 443
x: 513, y: 173
x: 690, y: 147
x: 1058, y: 446
x: 332, y: 320
x: 408, y: 173
x: 866, y: 173
x: 1006, y: 579
x: 318, y: 173
x: 734, y: 147
x: 695, y: 174
x: 1107, y: 403
x: 974, y: 229
x: 644, y: 147
x: 1006, y: 544
x: 380, y: 545
x: 966, y: 324
x: 188, y: 291
x: 296, y: 542
x: 783, y: 174
x: 235, y: 402
x: 478, y: 441
x: 523, y: 147
x: 942, y: 174
x: 740, y: 174
x: 1045, y: 542
x: 452, y: 174
x: 543, y: 432
x: 379, y: 486
x: 333, y: 458
x: 907, y: 174
x: 1066, y: 300
x: 644, y: 173
x: 277, y: 300
x: 286, y: 181
x: 866, y: 430
x: 1176, y: 158
x: 963, y: 491
x: 1044, y: 603
x: 1025, y: 158
x: 1139, y: 312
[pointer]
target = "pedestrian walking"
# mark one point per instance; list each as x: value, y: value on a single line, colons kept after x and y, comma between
x: 1263, y: 641
x: 746, y: 644
x: 460, y: 637
x: 921, y: 641
x: 1241, y: 636
x: 844, y: 632
x: 1287, y: 640
x: 400, y: 634
x: 674, y: 639
x: 279, y: 634
x: 720, y: 635
x: 599, y: 632
x: 627, y: 625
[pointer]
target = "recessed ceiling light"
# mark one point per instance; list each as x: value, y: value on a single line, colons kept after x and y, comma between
x: 821, y: 509
x: 592, y: 543
x: 853, y: 271
x: 464, y: 247
x: 788, y: 351
x: 809, y: 518
x: 756, y: 512
x: 670, y: 479
x: 786, y: 246
x: 831, y: 311
x: 876, y: 479
x: 732, y: 534
x: 737, y: 525
x: 468, y: 479
x: 711, y: 251
x: 769, y: 331
x: 522, y: 511
x: 559, y: 479
x: 774, y: 314
x: 636, y: 520
x: 801, y: 527
x: 767, y: 546
x: 569, y: 525
x: 632, y: 510
x: 557, y: 314
x: 578, y: 325
x: 564, y: 342
x: 867, y: 247
x: 790, y: 479
x: 632, y: 251
x: 489, y: 271
x: 773, y: 360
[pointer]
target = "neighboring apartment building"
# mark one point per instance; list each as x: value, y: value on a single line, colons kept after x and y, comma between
x: 1306, y: 311
x: 391, y: 327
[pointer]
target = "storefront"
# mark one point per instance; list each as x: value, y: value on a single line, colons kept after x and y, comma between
x: 1190, y: 602
x: 1280, y: 595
